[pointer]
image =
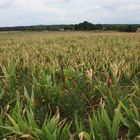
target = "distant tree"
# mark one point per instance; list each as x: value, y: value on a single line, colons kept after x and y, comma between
x: 85, y: 26
x: 127, y: 28
x: 99, y: 26
x: 81, y: 26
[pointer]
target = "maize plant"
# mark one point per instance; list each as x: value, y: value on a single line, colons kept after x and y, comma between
x: 69, y: 86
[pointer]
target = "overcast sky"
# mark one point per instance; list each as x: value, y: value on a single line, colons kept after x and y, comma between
x: 34, y: 12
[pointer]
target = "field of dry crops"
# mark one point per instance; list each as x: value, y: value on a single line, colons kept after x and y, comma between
x: 69, y: 86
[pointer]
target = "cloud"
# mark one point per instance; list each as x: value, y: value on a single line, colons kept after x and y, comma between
x: 29, y: 12
x: 4, y: 4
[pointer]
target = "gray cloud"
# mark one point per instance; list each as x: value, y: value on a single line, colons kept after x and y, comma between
x: 27, y: 12
x: 4, y: 4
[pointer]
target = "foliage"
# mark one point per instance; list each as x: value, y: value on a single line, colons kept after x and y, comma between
x: 69, y: 86
x: 74, y: 27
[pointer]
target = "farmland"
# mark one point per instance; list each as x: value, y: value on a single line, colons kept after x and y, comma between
x: 69, y: 86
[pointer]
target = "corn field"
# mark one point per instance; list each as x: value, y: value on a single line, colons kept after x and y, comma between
x: 69, y: 86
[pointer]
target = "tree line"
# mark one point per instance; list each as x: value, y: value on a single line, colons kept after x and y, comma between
x: 84, y: 26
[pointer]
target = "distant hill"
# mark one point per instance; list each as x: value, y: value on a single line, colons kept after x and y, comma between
x: 76, y: 27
